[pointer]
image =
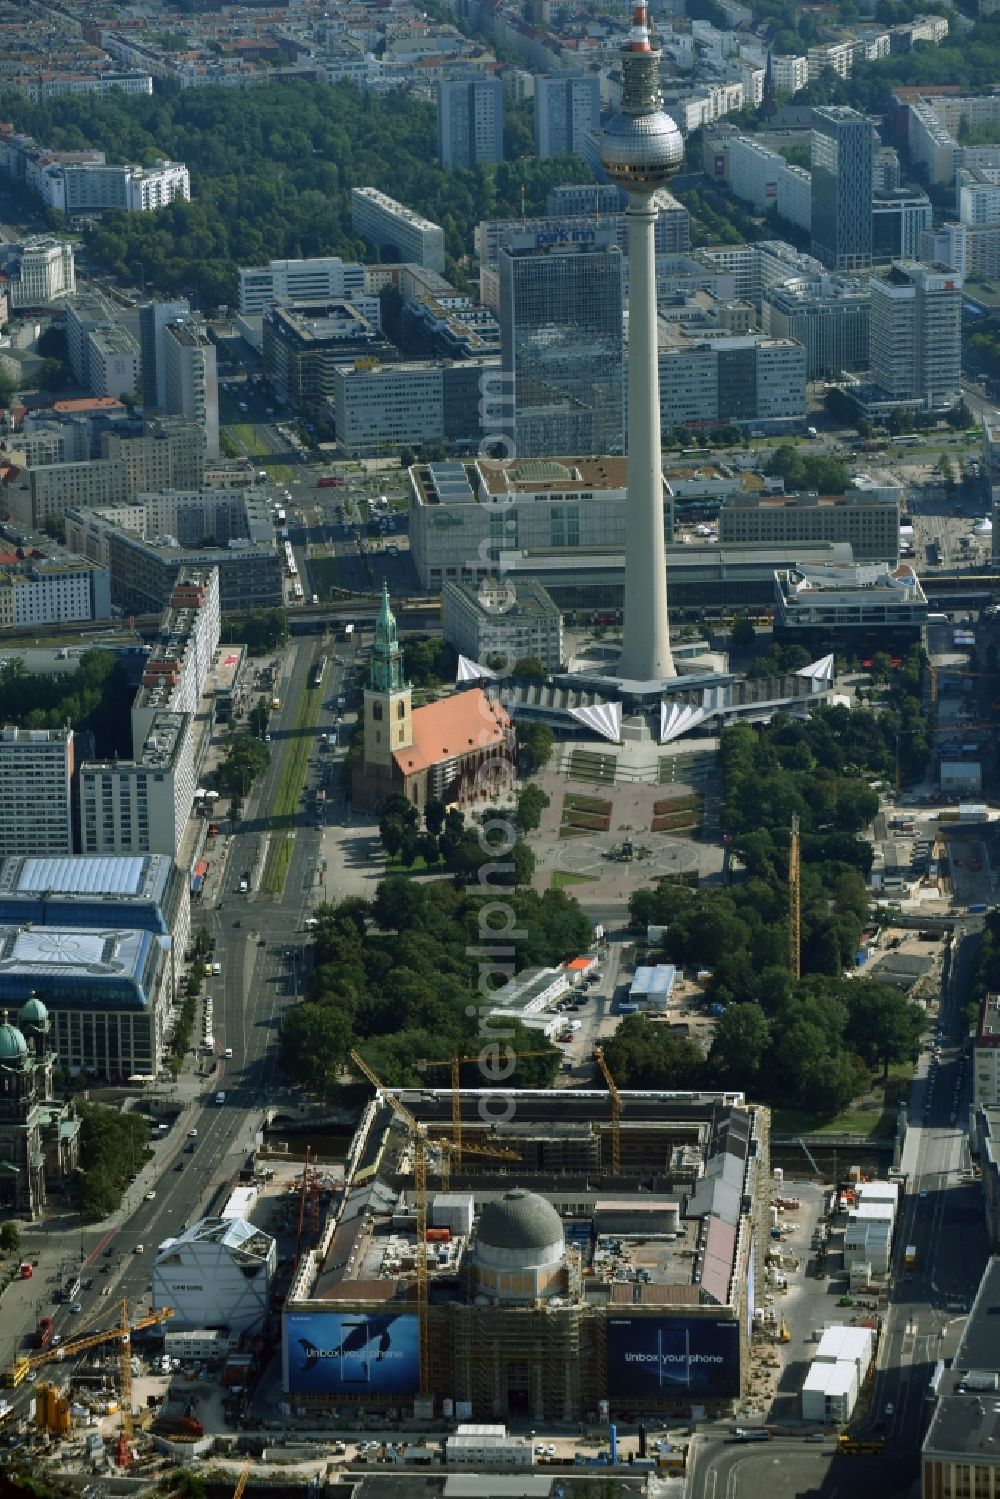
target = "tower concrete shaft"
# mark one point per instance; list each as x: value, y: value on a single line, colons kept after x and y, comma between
x: 646, y: 636
x: 641, y: 151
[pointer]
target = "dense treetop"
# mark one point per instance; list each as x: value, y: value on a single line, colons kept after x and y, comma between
x: 271, y: 175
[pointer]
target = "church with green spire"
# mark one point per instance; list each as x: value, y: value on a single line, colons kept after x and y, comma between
x: 459, y: 749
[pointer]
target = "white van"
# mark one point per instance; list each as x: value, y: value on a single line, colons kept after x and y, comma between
x: 220, y: 1099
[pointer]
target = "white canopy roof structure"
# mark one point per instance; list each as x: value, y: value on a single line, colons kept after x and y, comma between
x: 604, y: 718
x: 472, y: 671
x: 679, y: 718
x: 820, y: 671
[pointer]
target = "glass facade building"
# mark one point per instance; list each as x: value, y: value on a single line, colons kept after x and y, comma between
x: 843, y: 160
x: 562, y: 344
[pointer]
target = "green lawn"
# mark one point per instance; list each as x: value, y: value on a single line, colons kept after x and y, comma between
x: 253, y: 444
x: 849, y: 1122
x: 284, y: 809
x: 278, y: 856
x: 562, y: 879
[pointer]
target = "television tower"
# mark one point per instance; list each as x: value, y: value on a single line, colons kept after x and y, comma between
x: 641, y: 150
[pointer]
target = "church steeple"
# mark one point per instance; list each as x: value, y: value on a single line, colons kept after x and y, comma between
x: 386, y: 673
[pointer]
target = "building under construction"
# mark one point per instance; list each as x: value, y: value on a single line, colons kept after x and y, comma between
x: 591, y: 1254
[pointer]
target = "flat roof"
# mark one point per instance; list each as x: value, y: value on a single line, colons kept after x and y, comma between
x: 127, y: 876
x: 966, y: 1419
x: 56, y: 952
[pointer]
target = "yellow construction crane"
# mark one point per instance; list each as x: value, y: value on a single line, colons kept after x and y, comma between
x: 420, y: 1137
x: 794, y: 902
x: 457, y: 1145
x: 22, y: 1367
x: 616, y: 1112
x: 19, y: 1370
x: 241, y: 1482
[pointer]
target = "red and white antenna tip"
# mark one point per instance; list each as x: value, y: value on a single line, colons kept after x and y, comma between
x: 639, y: 39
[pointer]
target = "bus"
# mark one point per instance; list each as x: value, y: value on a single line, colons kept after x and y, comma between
x: 905, y: 442
x: 860, y: 1446
x: 751, y: 1434
x: 318, y: 672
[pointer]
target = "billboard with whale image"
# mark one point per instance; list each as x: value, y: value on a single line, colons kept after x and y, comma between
x: 352, y: 1353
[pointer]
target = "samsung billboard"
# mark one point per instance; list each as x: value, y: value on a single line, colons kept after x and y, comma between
x: 331, y: 1353
x: 673, y: 1357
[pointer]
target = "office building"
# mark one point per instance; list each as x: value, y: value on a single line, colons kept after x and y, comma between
x: 147, y: 893
x: 84, y: 312
x: 218, y: 1272
x: 567, y: 105
x: 713, y: 376
x: 916, y: 330
x: 141, y: 806
x: 166, y: 453
x: 112, y: 362
x: 36, y: 774
x: 146, y: 564
x: 105, y: 991
x: 828, y: 316
x: 393, y: 228
x: 671, y: 231
x: 960, y: 1455
x: 572, y: 199
x: 38, y: 271
x: 899, y: 218
x: 75, y: 187
x: 39, y: 1133
x: 154, y: 317
x: 562, y: 346
x: 53, y: 590
x: 854, y: 608
x: 498, y: 625
x: 469, y: 121
x: 191, y: 382
x: 55, y: 488
x: 512, y: 1254
x: 978, y: 197
x: 322, y: 278
x: 843, y: 144
x: 868, y: 522
x: 764, y: 178
x: 305, y: 342
x: 986, y: 1054
x: 381, y: 408
x: 464, y: 514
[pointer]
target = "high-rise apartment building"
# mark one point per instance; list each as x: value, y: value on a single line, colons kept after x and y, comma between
x: 191, y: 383
x: 36, y: 773
x: 562, y: 351
x: 470, y: 120
x: 916, y: 334
x: 567, y: 105
x: 153, y: 319
x: 141, y: 806
x: 393, y: 227
x: 843, y: 146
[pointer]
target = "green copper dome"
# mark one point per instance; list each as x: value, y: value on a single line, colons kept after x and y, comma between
x: 33, y: 1012
x: 13, y: 1046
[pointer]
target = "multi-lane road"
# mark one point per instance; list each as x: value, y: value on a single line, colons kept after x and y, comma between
x: 190, y: 1172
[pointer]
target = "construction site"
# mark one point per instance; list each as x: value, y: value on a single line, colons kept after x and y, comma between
x: 592, y: 1254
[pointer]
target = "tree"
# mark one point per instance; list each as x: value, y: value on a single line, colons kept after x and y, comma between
x: 434, y: 816
x: 10, y: 1237
x: 739, y: 1045
x: 315, y: 1042
x: 537, y: 741
x: 531, y: 803
x: 743, y: 633
x: 883, y: 1026
x: 530, y: 669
